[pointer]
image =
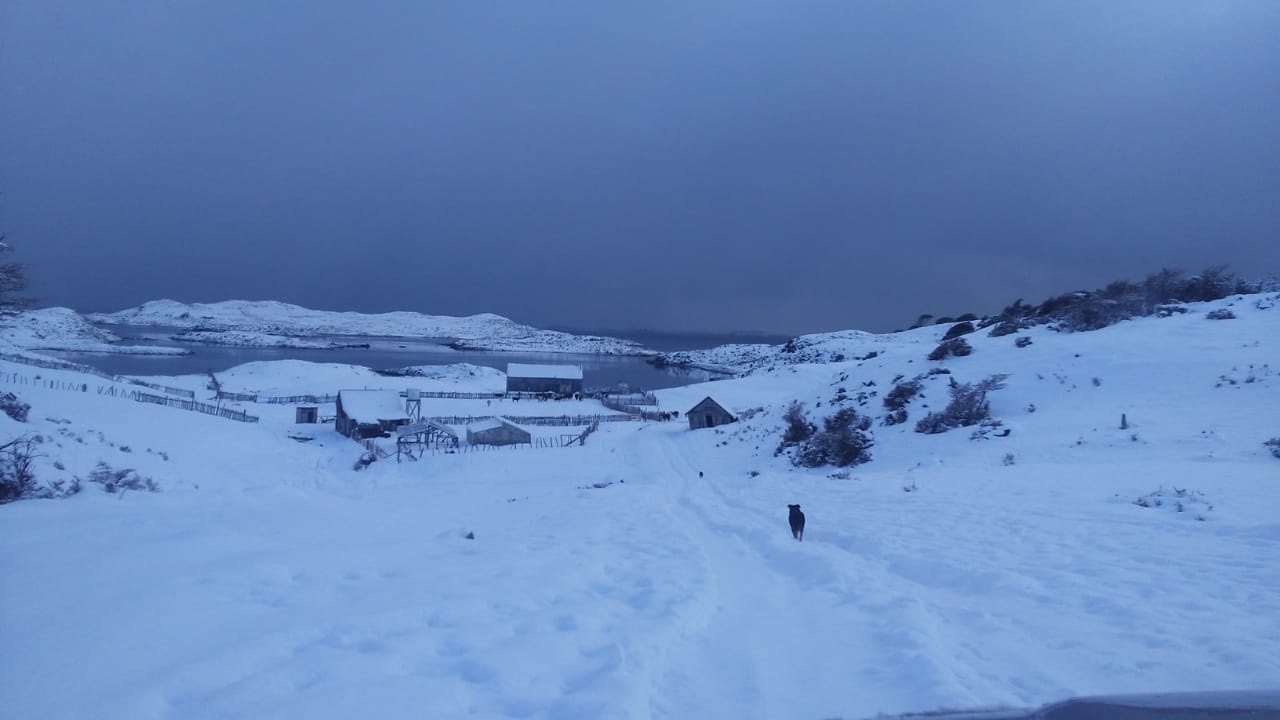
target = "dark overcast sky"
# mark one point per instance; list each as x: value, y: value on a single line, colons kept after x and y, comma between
x: 739, y: 164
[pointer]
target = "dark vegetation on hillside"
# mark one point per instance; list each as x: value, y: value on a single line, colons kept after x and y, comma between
x: 1120, y: 300
x: 842, y: 441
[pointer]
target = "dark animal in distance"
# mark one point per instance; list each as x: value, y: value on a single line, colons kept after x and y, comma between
x: 796, y: 518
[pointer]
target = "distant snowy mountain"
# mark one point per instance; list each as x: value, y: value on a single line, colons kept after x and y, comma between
x: 64, y: 329
x: 485, y: 331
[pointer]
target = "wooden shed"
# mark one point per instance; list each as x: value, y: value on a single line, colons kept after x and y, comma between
x: 497, y: 431
x: 563, y: 380
x: 708, y: 413
x: 369, y: 413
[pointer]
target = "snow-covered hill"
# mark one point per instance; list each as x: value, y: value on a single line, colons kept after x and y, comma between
x: 476, y: 332
x: 1122, y: 537
x: 64, y: 329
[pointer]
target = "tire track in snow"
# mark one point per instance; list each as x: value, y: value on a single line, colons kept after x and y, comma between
x: 791, y: 634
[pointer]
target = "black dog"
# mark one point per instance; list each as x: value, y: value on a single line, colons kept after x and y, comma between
x: 796, y: 518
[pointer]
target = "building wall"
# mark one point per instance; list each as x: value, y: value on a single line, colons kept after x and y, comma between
x: 709, y: 416
x: 559, y: 386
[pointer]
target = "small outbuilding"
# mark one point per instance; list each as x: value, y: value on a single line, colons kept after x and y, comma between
x: 307, y: 415
x: 708, y: 413
x: 561, y: 380
x: 497, y: 431
x: 369, y: 413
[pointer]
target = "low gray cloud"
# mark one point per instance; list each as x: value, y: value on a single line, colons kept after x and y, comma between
x: 720, y: 165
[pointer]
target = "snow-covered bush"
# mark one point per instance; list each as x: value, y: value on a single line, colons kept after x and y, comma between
x: 13, y: 406
x: 968, y: 406
x: 118, y: 480
x: 1220, y: 314
x: 1177, y: 499
x: 1274, y: 445
x: 843, y: 441
x: 958, y: 347
x: 1022, y: 342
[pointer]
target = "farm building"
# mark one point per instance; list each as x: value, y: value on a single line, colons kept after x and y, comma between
x: 558, y: 379
x: 369, y: 413
x: 497, y: 431
x: 708, y: 413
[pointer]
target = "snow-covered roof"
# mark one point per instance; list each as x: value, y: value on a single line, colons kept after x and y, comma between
x: 492, y: 423
x: 559, y: 372
x: 706, y: 403
x: 371, y: 405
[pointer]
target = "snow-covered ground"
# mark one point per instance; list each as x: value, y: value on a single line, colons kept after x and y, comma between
x: 64, y: 329
x: 476, y: 332
x: 651, y: 573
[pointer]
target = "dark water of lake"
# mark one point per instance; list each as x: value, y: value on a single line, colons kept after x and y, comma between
x: 598, y: 371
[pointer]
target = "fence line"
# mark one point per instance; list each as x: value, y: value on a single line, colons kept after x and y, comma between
x: 135, y: 395
x: 207, y: 409
x: 535, y: 420
x: 76, y: 367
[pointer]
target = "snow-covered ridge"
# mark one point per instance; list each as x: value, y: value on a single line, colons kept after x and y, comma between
x: 248, y: 339
x: 59, y: 328
x: 839, y: 346
x: 850, y: 345
x: 485, y: 331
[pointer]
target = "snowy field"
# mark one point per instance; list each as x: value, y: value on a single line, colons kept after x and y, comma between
x: 651, y: 574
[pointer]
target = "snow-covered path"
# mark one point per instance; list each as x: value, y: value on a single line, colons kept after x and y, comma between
x: 297, y: 588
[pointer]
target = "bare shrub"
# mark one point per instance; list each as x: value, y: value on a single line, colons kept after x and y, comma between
x: 115, y: 480
x: 17, y: 478
x: 968, y: 406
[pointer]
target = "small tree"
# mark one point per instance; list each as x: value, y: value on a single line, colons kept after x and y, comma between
x: 798, y: 428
